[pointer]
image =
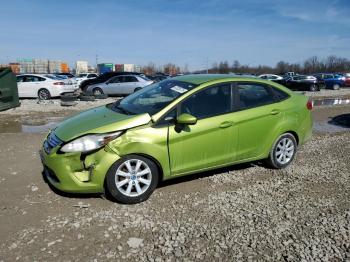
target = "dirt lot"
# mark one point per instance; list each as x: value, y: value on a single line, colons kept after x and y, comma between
x: 244, y: 212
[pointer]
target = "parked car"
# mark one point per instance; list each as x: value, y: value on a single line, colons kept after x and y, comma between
x: 70, y: 80
x: 68, y: 75
x: 270, y: 77
x: 84, y: 76
x: 176, y: 127
x: 119, y: 85
x: 302, y: 83
x: 103, y: 78
x: 43, y: 86
x: 347, y: 79
x: 332, y: 81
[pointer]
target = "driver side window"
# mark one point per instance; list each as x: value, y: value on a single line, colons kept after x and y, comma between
x: 212, y: 101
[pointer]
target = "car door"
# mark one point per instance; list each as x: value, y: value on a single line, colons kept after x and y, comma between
x: 113, y: 85
x: 256, y: 119
x: 30, y: 86
x: 129, y: 85
x: 21, y: 86
x: 211, y: 142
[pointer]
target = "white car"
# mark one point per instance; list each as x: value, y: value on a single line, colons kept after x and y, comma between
x: 270, y: 77
x: 43, y: 86
x: 83, y: 76
x: 120, y: 85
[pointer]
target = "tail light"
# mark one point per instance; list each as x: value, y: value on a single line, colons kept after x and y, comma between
x: 59, y: 83
x: 309, y: 104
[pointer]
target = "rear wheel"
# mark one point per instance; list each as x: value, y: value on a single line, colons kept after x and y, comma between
x: 282, y: 152
x: 44, y: 94
x: 313, y: 88
x: 132, y: 179
x: 336, y: 86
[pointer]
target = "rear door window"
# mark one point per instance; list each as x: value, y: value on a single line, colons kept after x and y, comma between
x: 252, y: 95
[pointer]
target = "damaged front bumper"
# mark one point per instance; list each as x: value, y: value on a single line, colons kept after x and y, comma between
x: 76, y: 172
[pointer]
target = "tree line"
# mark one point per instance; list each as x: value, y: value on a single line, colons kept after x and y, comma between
x: 314, y: 64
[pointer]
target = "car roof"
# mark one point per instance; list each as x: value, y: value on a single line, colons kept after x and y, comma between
x: 203, y: 78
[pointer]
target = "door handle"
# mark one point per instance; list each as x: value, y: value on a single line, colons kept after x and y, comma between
x: 274, y: 112
x: 226, y: 124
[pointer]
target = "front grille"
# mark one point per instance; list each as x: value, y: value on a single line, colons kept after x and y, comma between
x: 51, y: 142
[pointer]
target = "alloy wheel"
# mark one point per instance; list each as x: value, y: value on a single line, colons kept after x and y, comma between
x: 133, y: 177
x: 44, y: 94
x: 284, y: 151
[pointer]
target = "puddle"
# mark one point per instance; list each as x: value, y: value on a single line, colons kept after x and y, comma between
x: 331, y: 101
x: 340, y: 123
x: 29, y: 125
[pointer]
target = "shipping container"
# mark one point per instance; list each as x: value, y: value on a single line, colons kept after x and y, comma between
x: 104, y: 68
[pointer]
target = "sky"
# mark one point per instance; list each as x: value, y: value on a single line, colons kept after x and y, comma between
x: 184, y: 32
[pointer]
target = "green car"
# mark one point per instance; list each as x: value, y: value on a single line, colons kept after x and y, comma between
x: 176, y: 127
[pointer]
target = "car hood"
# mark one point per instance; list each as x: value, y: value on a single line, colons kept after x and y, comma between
x: 98, y: 120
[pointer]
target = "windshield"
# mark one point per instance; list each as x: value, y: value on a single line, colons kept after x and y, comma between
x: 153, y: 98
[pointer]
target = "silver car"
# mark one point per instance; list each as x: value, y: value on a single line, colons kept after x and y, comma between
x: 119, y: 85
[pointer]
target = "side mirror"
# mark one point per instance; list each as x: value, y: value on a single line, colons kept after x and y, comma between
x: 186, y: 119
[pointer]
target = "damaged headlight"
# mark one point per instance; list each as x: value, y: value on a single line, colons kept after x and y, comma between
x: 89, y: 142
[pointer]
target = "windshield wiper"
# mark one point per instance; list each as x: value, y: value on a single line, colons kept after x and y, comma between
x: 123, y: 110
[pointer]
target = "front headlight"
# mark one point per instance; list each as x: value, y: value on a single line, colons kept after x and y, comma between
x: 89, y: 142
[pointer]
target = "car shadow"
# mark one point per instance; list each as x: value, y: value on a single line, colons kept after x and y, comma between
x: 187, y: 178
x: 162, y: 184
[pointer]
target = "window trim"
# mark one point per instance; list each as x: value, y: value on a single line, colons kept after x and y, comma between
x: 269, y: 89
x: 177, y: 106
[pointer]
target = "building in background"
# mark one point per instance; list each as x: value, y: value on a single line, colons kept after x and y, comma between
x: 105, y: 67
x: 64, y: 68
x: 127, y: 68
x: 137, y: 69
x: 119, y: 68
x: 81, y: 67
x: 26, y: 65
x: 15, y: 68
x: 40, y: 66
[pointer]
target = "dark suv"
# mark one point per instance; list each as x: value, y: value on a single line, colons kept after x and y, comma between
x: 332, y: 81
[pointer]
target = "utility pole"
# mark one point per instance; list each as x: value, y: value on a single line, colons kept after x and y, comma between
x: 207, y: 65
x: 96, y: 63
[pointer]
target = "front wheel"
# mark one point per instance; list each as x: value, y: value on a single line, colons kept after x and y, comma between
x: 97, y: 91
x: 282, y: 152
x: 132, y: 179
x: 44, y: 94
x: 336, y: 87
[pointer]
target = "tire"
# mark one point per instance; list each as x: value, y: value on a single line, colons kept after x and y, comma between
x: 313, y: 88
x: 136, y: 188
x: 69, y: 103
x: 103, y: 96
x: 86, y: 98
x: 137, y: 89
x: 336, y: 87
x: 68, y: 98
x: 282, y: 152
x: 97, y: 91
x: 44, y: 94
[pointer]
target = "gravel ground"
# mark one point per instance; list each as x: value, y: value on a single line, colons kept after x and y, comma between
x: 244, y: 212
